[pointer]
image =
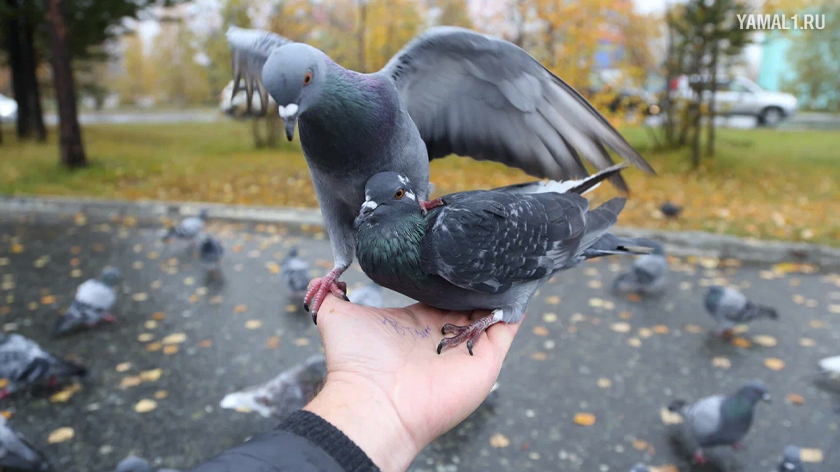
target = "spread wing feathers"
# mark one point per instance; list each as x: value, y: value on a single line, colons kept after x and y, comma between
x: 249, y: 51
x: 490, y: 241
x: 478, y: 96
x: 703, y: 417
x: 579, y: 187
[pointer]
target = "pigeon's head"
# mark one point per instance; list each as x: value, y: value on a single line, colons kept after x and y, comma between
x: 109, y: 276
x: 294, y: 76
x: 754, y: 391
x: 293, y: 252
x: 202, y: 215
x: 387, y: 194
x: 134, y: 464
x: 713, y: 296
x: 790, y: 458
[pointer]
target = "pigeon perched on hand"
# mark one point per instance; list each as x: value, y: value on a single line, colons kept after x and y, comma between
x: 188, y: 228
x: 791, y: 461
x: 647, y: 276
x: 295, y: 273
x: 670, y: 210
x: 24, y: 364
x: 720, y: 420
x: 16, y: 453
x: 369, y: 295
x: 480, y: 250
x: 137, y: 464
x: 283, y: 395
x: 210, y: 251
x: 730, y: 307
x: 450, y: 90
x: 92, y: 304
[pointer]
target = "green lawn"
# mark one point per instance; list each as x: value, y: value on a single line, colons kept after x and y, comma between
x: 763, y: 183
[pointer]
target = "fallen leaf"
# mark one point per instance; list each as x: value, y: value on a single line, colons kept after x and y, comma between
x: 174, y: 338
x: 540, y: 331
x: 604, y: 382
x: 795, y: 399
x: 151, y: 375
x: 123, y: 367
x: 273, y: 342
x: 669, y: 417
x: 633, y: 297
x: 660, y: 329
x: 740, y: 329
x: 741, y: 342
x: 301, y: 342
x: 60, y: 435
x: 65, y: 394
x: 216, y: 299
x: 807, y: 342
x: 639, y: 445
x: 620, y: 327
x: 4, y: 383
x: 645, y: 332
x: 145, y: 405
x: 6, y: 414
x: 152, y: 347
x: 834, y: 308
x: 145, y: 337
x: 140, y: 297
x: 161, y: 394
x: 584, y: 419
x: 17, y: 248
x: 812, y: 455
x: 773, y: 363
x: 549, y: 317
x: 722, y: 362
x: 539, y: 356
x: 47, y: 300
x: 205, y: 343
x: 189, y: 281
x: 596, y: 302
x: 239, y: 309
x: 692, y: 328
x: 159, y: 316
x: 150, y: 324
x: 665, y: 468
x: 625, y: 315
x: 499, y: 440
x: 552, y: 300
x: 635, y: 342
x: 764, y: 340
x: 130, y: 381
x: 816, y: 324
x: 171, y: 349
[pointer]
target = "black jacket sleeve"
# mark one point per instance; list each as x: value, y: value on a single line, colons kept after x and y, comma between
x: 303, y: 442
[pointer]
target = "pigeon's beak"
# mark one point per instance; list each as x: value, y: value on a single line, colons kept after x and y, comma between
x: 367, y: 208
x: 766, y: 397
x: 289, y: 114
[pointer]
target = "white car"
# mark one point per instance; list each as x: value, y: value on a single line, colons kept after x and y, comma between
x: 742, y: 96
x: 8, y: 109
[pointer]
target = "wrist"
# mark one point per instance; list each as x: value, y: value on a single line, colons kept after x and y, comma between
x: 366, y: 415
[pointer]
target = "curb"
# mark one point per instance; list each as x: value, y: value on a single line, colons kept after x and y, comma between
x: 678, y: 243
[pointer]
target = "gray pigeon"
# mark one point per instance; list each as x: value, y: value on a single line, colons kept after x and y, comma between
x: 137, y: 464
x: 791, y: 461
x: 670, y: 210
x: 295, y: 273
x: 92, y: 304
x: 449, y: 91
x: 480, y: 250
x: 730, y: 307
x: 210, y: 251
x: 647, y: 276
x: 720, y: 420
x: 23, y: 364
x: 188, y: 228
x: 16, y: 453
x: 640, y: 468
x: 369, y: 295
x: 283, y: 395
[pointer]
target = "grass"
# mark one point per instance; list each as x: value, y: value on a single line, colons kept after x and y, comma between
x: 762, y: 183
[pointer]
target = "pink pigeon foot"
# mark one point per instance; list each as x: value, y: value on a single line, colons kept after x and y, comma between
x: 109, y: 318
x: 699, y: 458
x: 318, y: 292
x: 470, y: 333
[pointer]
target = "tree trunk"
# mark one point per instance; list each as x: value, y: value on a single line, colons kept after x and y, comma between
x: 70, y: 139
x: 20, y: 90
x: 361, y: 34
x: 670, y: 75
x: 30, y: 67
x: 710, y: 137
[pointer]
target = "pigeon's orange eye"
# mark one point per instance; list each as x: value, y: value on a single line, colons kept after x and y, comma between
x: 399, y: 194
x: 307, y: 79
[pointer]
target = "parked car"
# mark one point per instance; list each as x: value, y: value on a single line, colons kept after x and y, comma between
x: 8, y: 108
x: 741, y: 96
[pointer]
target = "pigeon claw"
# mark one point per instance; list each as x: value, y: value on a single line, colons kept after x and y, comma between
x: 470, y: 333
x: 320, y: 288
x: 699, y: 458
x: 109, y: 318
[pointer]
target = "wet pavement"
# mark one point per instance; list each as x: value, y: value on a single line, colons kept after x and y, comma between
x: 581, y: 350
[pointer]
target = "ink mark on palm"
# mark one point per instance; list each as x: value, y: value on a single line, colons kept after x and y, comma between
x: 408, y: 330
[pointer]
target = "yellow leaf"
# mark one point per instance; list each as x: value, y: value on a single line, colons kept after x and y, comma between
x: 205, y: 343
x: 796, y: 399
x: 140, y: 297
x: 596, y: 302
x: 171, y: 349
x: 660, y: 329
x: 47, y: 300
x: 145, y: 405
x: 740, y: 329
x: 604, y: 382
x: 812, y: 455
x: 741, y: 342
x: 215, y: 300
x: 273, y: 342
x: 151, y: 324
x: 301, y: 342
x: 291, y: 308
x: 633, y: 297
x: 721, y: 362
x: 151, y: 375
x: 539, y: 356
x: 123, y: 367
x: 665, y: 468
x: 152, y: 347
x: 145, y: 337
x: 635, y: 342
x: 253, y: 324
x: 174, y: 338
x: 6, y: 414
x: 584, y: 419
x: 60, y: 435
x: 161, y: 394
x: 620, y: 327
x: 816, y: 324
x: 807, y: 342
x: 692, y: 328
x: 159, y: 316
x: 65, y: 394
x: 130, y: 381
x: 552, y: 300
x: 669, y: 417
x: 773, y: 363
x: 540, y: 331
x: 499, y: 440
x: 645, y: 332
x: 625, y: 315
x: 17, y: 248
x: 764, y: 340
x: 4, y: 383
x: 238, y: 309
x: 639, y: 445
x: 549, y: 317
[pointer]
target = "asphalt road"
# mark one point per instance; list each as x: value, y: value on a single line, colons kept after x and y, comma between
x: 581, y: 351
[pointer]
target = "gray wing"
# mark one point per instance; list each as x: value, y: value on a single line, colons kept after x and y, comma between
x: 478, y: 96
x: 703, y: 417
x: 249, y: 51
x: 96, y: 294
x: 731, y: 305
x: 16, y: 354
x: 17, y: 453
x: 490, y: 241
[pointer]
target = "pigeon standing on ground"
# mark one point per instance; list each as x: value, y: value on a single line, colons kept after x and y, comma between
x: 295, y: 273
x: 369, y: 295
x: 210, y: 251
x: 647, y: 276
x: 188, y: 228
x: 480, y: 250
x: 16, y: 453
x: 137, y: 464
x: 92, y: 304
x: 720, y: 420
x: 730, y: 307
x: 670, y: 210
x: 23, y: 364
x: 283, y: 395
x: 791, y: 461
x: 450, y: 90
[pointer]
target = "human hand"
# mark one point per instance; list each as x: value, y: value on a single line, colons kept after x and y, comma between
x: 388, y: 389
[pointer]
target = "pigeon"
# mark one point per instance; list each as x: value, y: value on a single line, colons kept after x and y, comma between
x: 449, y: 91
x: 830, y: 365
x: 485, y: 249
x: 640, y: 468
x: 93, y: 302
x: 647, y: 276
x: 283, y: 395
x: 730, y: 307
x: 210, y: 250
x: 295, y: 273
x: 369, y: 295
x: 23, y: 364
x: 720, y: 420
x: 16, y: 453
x: 188, y: 228
x: 137, y: 464
x: 828, y: 375
x: 670, y: 210
x: 791, y: 461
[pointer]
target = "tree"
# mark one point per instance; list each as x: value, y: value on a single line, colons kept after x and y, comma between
x: 180, y: 79
x: 70, y: 139
x: 815, y: 55
x: 452, y: 13
x: 17, y: 20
